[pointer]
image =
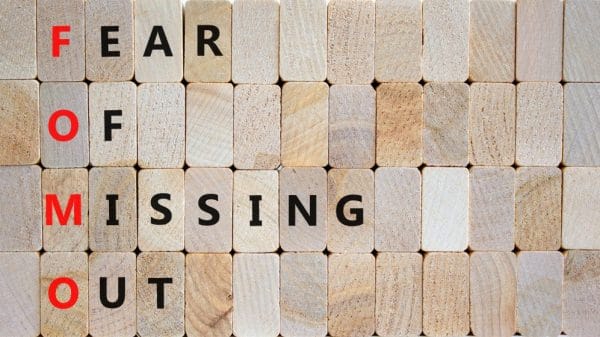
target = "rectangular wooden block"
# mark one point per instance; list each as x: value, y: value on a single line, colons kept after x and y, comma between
x: 160, y: 312
x: 207, y: 51
x: 351, y: 294
x: 256, y: 295
x: 115, y: 269
x: 303, y: 287
x: 538, y: 208
x: 581, y: 44
x: 581, y: 295
x: 18, y: 43
x: 160, y: 209
x: 352, y: 115
x: 111, y: 59
x: 20, y: 127
x: 161, y: 125
x: 158, y: 41
x: 20, y: 291
x: 64, y: 278
x: 304, y: 124
x: 581, y: 122
x: 209, y: 125
x: 399, y: 294
x: 257, y: 125
x: 64, y: 124
x: 580, y: 226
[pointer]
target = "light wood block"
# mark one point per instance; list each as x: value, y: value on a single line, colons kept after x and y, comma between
x: 256, y: 295
x: 73, y: 319
x: 303, y: 287
x: 208, y: 293
x: 20, y: 208
x: 20, y: 290
x: 538, y: 208
x: 65, y: 61
x: 581, y: 295
x: 397, y: 209
x: 250, y: 64
x: 352, y: 192
x: 257, y: 125
x: 64, y: 109
x: 581, y: 122
x: 204, y: 230
x: 207, y: 63
x: 350, y: 41
x: 445, y: 209
x: 491, y: 208
x: 581, y: 190
x: 581, y: 42
x: 156, y: 317
x: 399, y: 294
x: 539, y: 40
x: 445, y: 115
x: 114, y: 60
x: 352, y: 115
x: 209, y: 125
x: 119, y: 321
x: 18, y: 43
x: 161, y: 125
x: 255, y: 190
x: 113, y: 186
x: 351, y: 294
x: 539, y: 290
x: 539, y: 124
x: 158, y: 40
x: 20, y: 127
x: 304, y: 124
x: 160, y: 225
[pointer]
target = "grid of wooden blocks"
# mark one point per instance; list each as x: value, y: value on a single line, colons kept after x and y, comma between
x: 299, y: 168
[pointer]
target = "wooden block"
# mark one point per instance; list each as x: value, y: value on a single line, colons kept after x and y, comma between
x: 580, y: 226
x: 64, y: 125
x: 445, y: 40
x: 581, y: 122
x: 20, y: 208
x: 351, y: 295
x: 539, y: 40
x: 210, y: 60
x: 161, y: 125
x: 350, y: 41
x: 257, y: 115
x: 399, y: 124
x: 445, y: 209
x: 160, y: 210
x: 539, y: 290
x: 113, y: 209
x: 116, y: 146
x: 492, y: 208
x: 581, y: 43
x: 115, y: 269
x: 160, y: 274
x: 303, y: 294
x: 65, y: 203
x: 397, y: 209
x: 208, y: 190
x: 539, y: 124
x: 350, y: 211
x: 352, y: 126
x: 209, y: 125
x: 18, y: 44
x: 581, y: 295
x: 308, y: 188
x: 255, y: 211
x: 492, y: 114
x: 250, y: 64
x: 492, y: 40
x: 20, y: 127
x: 64, y: 294
x: 399, y: 294
x: 538, y: 208
x: 256, y: 295
x: 208, y: 293
x: 60, y: 40
x: 158, y: 40
x: 445, y: 115
x: 111, y: 20
x: 304, y: 124
x: 20, y: 290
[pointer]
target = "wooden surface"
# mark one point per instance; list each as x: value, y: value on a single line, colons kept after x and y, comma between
x: 20, y: 289
x: 581, y: 42
x: 581, y: 295
x: 20, y: 127
x: 18, y: 43
x: 581, y: 122
x: 581, y: 188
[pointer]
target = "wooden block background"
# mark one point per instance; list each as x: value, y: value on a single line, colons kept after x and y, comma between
x: 20, y: 290
x: 581, y: 295
x: 20, y: 128
x: 18, y: 43
x: 580, y: 227
x: 580, y: 63
x: 581, y: 122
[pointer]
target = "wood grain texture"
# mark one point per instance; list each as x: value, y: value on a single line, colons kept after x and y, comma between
x: 20, y: 127
x: 582, y: 120
x: 581, y: 189
x: 581, y: 42
x: 20, y: 290
x: 581, y: 295
x: 18, y: 43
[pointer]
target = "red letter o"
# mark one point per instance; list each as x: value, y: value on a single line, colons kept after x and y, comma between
x: 73, y: 121
x: 52, y: 293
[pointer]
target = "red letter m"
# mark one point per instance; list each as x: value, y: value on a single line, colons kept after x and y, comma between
x: 63, y: 217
